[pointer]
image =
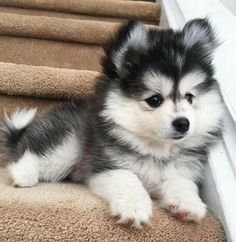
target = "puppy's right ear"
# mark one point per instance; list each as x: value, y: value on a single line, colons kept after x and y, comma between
x: 122, y: 52
x: 200, y: 33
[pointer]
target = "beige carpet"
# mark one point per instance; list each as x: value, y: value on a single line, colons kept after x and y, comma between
x: 68, y: 212
x: 42, y: 81
x: 50, y: 50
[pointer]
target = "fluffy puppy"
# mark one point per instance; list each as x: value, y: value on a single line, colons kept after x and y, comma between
x: 146, y: 132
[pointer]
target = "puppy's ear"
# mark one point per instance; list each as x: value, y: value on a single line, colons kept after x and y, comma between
x: 199, y: 32
x: 123, y: 51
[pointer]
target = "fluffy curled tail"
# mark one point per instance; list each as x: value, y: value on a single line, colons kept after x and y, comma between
x: 11, y: 131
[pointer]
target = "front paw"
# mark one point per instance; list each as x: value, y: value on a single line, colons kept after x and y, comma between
x: 186, y: 207
x: 132, y: 212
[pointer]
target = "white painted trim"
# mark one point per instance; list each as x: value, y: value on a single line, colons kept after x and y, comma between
x: 174, y: 17
x: 219, y: 189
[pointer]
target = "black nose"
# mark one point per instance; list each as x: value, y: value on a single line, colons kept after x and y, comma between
x: 181, y: 125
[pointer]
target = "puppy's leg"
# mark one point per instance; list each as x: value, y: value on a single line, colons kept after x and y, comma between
x: 125, y: 195
x: 180, y: 196
x: 54, y: 165
x: 44, y: 150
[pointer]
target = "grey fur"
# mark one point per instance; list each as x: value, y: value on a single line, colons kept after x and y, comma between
x: 100, y: 148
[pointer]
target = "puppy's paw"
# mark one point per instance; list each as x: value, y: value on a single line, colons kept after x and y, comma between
x: 187, y: 208
x: 22, y: 177
x: 132, y: 212
x: 24, y: 180
x: 24, y: 172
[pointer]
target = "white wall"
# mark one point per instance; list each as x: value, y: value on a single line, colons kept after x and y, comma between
x: 231, y: 5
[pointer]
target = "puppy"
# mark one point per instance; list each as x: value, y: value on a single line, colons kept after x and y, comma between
x: 146, y: 132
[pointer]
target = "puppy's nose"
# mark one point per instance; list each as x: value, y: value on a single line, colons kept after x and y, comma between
x: 181, y: 125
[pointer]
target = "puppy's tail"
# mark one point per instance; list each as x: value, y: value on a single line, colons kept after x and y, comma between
x: 11, y: 131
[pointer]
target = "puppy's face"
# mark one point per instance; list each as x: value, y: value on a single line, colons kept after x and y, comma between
x: 162, y: 84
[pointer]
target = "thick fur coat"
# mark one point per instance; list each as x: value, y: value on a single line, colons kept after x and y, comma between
x: 146, y: 132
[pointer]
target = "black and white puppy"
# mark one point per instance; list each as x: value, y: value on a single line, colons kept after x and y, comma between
x: 145, y: 133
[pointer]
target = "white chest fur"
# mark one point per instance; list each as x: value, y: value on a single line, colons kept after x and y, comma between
x: 149, y: 172
x: 147, y: 169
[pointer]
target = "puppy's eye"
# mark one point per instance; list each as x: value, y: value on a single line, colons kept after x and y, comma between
x: 154, y: 101
x: 189, y: 97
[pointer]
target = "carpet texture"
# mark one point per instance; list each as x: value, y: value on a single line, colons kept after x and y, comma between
x: 41, y: 52
x: 112, y: 8
x: 50, y: 50
x: 82, y: 31
x: 50, y: 82
x: 68, y: 212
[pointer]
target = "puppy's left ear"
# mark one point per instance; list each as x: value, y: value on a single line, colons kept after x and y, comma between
x: 123, y: 51
x: 199, y: 32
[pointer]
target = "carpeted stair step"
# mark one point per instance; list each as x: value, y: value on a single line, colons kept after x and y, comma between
x: 39, y: 81
x: 111, y: 8
x: 46, y: 13
x: 41, y: 52
x: 81, y: 31
x: 62, y: 38
x: 69, y: 212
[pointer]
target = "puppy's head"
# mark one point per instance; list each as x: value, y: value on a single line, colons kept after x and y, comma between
x: 161, y: 83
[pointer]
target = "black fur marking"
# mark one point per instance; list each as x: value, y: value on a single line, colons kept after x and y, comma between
x: 109, y: 69
x: 9, y: 141
x: 167, y: 53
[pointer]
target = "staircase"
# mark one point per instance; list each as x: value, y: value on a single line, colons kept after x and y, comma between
x: 50, y: 50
